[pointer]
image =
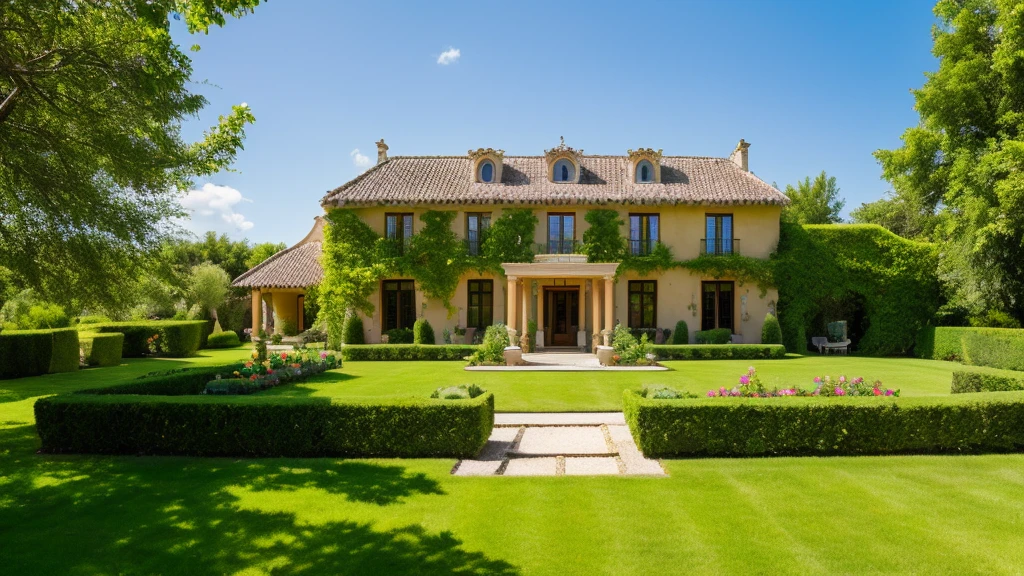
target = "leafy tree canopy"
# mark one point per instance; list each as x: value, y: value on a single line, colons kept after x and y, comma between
x: 92, y: 97
x: 814, y: 202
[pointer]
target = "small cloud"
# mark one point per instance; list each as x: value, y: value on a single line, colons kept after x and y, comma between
x: 449, y: 56
x: 213, y: 208
x: 361, y: 161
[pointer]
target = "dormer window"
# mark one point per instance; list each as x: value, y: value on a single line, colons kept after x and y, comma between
x: 564, y: 171
x: 644, y: 172
x: 487, y: 171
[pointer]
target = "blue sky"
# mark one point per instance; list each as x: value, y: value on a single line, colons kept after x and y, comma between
x: 813, y: 86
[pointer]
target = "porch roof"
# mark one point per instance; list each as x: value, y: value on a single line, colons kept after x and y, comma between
x: 560, y: 269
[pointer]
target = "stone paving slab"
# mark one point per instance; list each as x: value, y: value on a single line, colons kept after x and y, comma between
x: 557, y: 419
x: 563, y: 440
x: 557, y: 368
x: 545, y: 466
x: 600, y: 466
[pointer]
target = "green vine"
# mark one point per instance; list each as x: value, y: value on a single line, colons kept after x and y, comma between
x: 437, y: 258
x: 602, y: 242
x: 510, y: 239
x: 352, y: 268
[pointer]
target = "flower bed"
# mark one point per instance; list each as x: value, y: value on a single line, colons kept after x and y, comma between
x: 278, y: 368
x: 750, y: 386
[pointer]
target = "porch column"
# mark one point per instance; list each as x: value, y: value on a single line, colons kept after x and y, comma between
x: 581, y: 320
x: 510, y: 307
x: 525, y: 312
x: 257, y: 312
x: 595, y: 312
x: 540, y: 316
x: 609, y: 308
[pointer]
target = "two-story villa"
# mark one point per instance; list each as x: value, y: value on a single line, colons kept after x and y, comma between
x: 694, y: 205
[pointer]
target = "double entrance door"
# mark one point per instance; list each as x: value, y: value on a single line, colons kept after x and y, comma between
x: 561, y: 316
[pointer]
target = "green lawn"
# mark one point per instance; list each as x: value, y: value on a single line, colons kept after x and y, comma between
x: 159, y: 515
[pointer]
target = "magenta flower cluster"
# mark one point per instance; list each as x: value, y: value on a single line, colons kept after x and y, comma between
x: 750, y: 386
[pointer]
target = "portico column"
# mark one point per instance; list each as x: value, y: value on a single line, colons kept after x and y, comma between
x: 257, y: 312
x: 540, y: 316
x: 609, y: 308
x: 525, y: 312
x: 581, y: 319
x: 510, y: 312
x: 595, y: 312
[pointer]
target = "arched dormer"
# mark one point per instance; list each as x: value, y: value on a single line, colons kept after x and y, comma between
x: 487, y: 164
x: 563, y: 164
x: 645, y: 165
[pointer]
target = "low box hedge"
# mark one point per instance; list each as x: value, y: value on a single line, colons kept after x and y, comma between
x: 178, y: 382
x: 34, y: 352
x: 263, y: 426
x: 715, y: 336
x: 177, y: 338
x: 964, y: 381
x: 228, y: 339
x: 719, y: 351
x: 380, y: 352
x: 819, y: 426
x: 993, y: 347
x: 103, y: 350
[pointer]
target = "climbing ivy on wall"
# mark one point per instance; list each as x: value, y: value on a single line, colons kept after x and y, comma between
x: 437, y: 258
x: 602, y: 241
x: 894, y: 279
x: 510, y: 238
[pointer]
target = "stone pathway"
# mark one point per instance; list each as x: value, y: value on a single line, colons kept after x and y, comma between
x: 565, y: 444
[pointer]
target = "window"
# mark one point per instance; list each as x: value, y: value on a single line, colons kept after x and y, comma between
x: 486, y: 171
x: 643, y: 304
x: 561, y: 233
x: 644, y: 172
x: 717, y: 299
x: 399, y: 298
x: 718, y: 229
x: 480, y: 311
x: 398, y: 228
x: 644, y: 233
x: 477, y: 224
x: 564, y: 171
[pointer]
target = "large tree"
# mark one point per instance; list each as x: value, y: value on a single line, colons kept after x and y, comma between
x: 814, y: 202
x: 92, y: 97
x: 964, y: 161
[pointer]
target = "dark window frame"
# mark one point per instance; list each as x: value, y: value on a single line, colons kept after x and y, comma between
x: 475, y: 245
x: 715, y: 245
x: 484, y: 319
x: 563, y: 243
x: 643, y: 246
x: 405, y: 312
x: 717, y: 313
x: 643, y: 295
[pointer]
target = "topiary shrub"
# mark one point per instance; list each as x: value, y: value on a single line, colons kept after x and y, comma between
x: 681, y: 334
x: 715, y: 336
x: 66, y: 354
x: 25, y: 353
x: 399, y: 336
x: 422, y: 332
x: 462, y: 392
x: 771, y: 331
x: 182, y: 339
x: 353, y: 331
x: 223, y: 340
x: 492, y: 350
x: 102, y: 350
x: 178, y: 338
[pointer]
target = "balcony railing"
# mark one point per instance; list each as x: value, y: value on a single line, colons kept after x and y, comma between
x: 719, y: 246
x: 474, y: 247
x: 395, y: 246
x: 642, y: 247
x: 558, y: 247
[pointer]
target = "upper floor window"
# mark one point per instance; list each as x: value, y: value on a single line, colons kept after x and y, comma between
x: 564, y: 171
x: 644, y: 172
x: 561, y: 233
x: 644, y: 233
x: 398, y: 227
x: 718, y: 231
x: 486, y: 171
x: 477, y: 224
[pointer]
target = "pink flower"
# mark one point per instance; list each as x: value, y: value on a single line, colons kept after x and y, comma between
x: 840, y: 392
x: 876, y: 392
x: 842, y: 379
x: 817, y: 380
x: 750, y: 370
x: 323, y: 354
x: 711, y: 393
x: 744, y: 379
x: 889, y: 392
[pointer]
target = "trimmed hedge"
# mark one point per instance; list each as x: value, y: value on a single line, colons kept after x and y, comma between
x: 227, y: 339
x: 681, y: 335
x: 964, y: 381
x: 34, y: 352
x: 834, y: 426
x: 381, y: 352
x: 994, y: 347
x: 716, y: 336
x: 771, y: 330
x: 719, y: 351
x: 263, y: 426
x: 353, y: 331
x: 103, y: 350
x: 178, y: 382
x: 179, y: 338
x: 422, y: 332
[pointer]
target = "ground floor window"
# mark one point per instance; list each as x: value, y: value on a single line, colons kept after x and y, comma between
x: 480, y: 309
x: 643, y: 304
x: 717, y: 305
x: 399, y: 299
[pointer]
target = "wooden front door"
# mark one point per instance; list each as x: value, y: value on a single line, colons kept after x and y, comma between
x: 562, y: 311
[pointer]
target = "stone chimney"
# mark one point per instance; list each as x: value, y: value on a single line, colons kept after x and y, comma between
x: 738, y: 156
x: 382, y: 151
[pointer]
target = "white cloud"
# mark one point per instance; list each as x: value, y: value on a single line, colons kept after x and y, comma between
x: 361, y: 161
x: 213, y: 208
x: 449, y: 56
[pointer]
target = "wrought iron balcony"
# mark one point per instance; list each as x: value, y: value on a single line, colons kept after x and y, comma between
x: 642, y: 247
x: 719, y: 246
x: 394, y: 246
x: 558, y: 247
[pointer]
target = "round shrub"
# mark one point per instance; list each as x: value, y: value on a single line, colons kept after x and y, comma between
x: 103, y: 350
x: 399, y: 336
x: 422, y: 332
x: 492, y: 351
x: 681, y: 334
x: 716, y: 336
x: 771, y: 331
x: 353, y: 331
x: 223, y: 340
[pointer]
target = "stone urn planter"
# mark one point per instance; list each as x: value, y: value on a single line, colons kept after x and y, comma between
x: 513, y: 356
x: 604, y: 355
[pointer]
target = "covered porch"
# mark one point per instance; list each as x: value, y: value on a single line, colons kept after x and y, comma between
x: 557, y: 295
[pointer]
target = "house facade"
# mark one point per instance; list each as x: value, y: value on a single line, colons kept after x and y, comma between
x: 696, y: 206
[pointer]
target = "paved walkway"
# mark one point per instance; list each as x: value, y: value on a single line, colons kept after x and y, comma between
x: 562, y: 362
x: 562, y: 444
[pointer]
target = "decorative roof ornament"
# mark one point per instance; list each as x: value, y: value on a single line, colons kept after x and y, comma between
x: 481, y: 152
x: 644, y: 153
x: 562, y: 150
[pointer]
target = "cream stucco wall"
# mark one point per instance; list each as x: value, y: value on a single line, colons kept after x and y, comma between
x: 286, y: 307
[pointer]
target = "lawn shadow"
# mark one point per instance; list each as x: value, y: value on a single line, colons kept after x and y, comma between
x: 86, y: 514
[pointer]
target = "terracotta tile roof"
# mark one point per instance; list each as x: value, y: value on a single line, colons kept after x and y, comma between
x: 296, y: 267
x: 408, y: 180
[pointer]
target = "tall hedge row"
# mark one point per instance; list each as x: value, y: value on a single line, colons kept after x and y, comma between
x: 719, y: 351
x: 34, y: 352
x: 263, y: 426
x: 963, y: 423
x: 966, y: 382
x: 994, y: 347
x: 103, y: 350
x: 178, y: 338
x: 819, y: 264
x: 406, y: 352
